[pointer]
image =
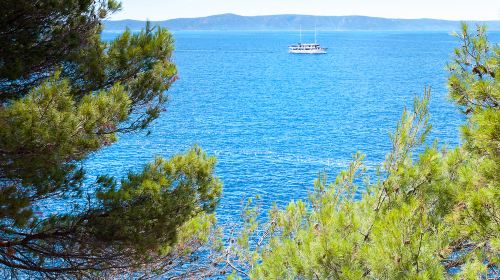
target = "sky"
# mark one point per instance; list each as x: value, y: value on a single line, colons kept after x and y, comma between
x: 438, y: 9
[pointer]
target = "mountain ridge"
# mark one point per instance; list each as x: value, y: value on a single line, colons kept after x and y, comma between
x: 234, y: 22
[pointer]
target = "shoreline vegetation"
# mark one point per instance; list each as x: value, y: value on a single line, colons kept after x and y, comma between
x: 65, y: 94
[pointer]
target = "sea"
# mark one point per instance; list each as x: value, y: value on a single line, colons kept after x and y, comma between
x: 275, y: 120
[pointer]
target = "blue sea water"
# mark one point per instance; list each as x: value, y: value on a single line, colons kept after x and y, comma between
x: 274, y: 120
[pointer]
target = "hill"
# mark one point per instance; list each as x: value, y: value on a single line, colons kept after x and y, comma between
x: 232, y: 22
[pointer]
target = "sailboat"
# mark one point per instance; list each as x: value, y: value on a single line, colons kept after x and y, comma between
x: 307, y: 48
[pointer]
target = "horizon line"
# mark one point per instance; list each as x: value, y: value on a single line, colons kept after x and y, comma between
x: 267, y: 15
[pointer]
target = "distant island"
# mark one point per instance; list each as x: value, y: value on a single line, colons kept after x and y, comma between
x: 232, y: 22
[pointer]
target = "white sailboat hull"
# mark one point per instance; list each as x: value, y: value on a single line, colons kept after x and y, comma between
x: 307, y: 49
x: 322, y: 51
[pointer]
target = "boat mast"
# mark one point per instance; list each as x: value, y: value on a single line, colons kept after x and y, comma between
x: 315, y: 34
x: 300, y: 41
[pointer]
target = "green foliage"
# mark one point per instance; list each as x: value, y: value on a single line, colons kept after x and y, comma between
x: 423, y: 217
x: 65, y: 94
x: 474, y: 81
x: 476, y: 219
x: 36, y: 36
x: 140, y: 62
x: 148, y: 207
x: 49, y: 122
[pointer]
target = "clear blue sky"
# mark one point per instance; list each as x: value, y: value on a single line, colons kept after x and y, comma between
x: 441, y: 9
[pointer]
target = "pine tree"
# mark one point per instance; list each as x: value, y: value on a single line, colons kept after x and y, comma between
x: 64, y: 94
